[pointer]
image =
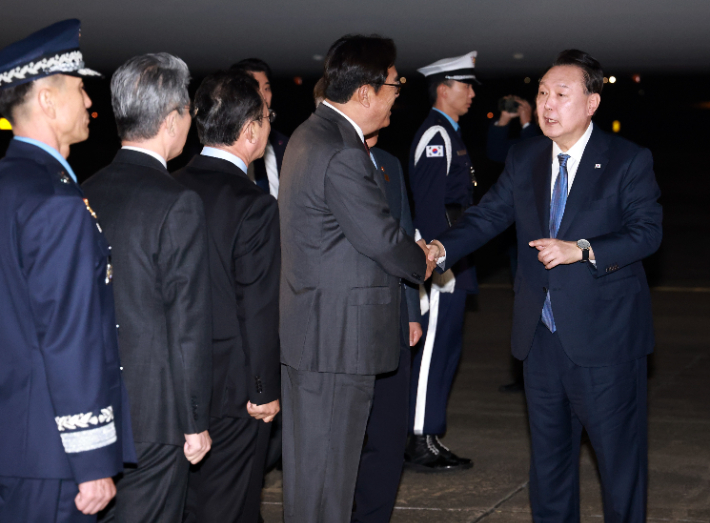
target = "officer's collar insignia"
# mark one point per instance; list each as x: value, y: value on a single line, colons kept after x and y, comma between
x: 64, y: 177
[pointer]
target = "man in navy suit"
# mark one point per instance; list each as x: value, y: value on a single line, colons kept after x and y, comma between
x: 265, y: 171
x: 65, y: 426
x: 585, y: 206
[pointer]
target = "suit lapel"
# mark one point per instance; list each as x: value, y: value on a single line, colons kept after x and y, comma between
x: 542, y: 178
x: 591, y: 168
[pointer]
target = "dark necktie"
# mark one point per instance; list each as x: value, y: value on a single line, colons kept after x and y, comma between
x: 557, y: 210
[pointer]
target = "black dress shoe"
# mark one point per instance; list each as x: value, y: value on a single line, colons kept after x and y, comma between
x: 446, y: 452
x: 423, y: 455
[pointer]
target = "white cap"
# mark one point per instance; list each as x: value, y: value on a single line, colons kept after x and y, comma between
x: 459, y: 68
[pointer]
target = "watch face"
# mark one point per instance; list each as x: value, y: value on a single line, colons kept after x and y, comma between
x: 583, y: 244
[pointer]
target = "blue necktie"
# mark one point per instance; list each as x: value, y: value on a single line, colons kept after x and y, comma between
x: 557, y: 210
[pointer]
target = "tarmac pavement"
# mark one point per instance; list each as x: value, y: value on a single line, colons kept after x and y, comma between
x: 491, y: 427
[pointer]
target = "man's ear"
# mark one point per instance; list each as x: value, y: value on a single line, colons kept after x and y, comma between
x: 249, y: 131
x: 363, y: 94
x: 47, y: 100
x: 442, y: 91
x: 170, y: 123
x: 593, y: 103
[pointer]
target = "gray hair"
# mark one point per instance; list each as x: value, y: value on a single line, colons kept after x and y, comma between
x: 145, y: 90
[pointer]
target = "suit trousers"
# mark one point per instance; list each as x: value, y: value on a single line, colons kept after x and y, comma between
x: 324, y: 420
x: 225, y: 487
x: 152, y: 491
x: 385, y: 438
x: 610, y: 404
x: 25, y: 500
x: 441, y: 369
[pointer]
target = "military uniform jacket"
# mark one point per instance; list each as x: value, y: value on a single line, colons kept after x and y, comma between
x: 157, y: 230
x: 62, y: 401
x: 343, y: 254
x: 440, y: 174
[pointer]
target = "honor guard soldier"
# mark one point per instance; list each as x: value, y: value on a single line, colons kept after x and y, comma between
x: 442, y: 180
x: 65, y: 428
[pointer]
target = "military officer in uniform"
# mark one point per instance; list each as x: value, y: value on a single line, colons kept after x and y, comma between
x: 442, y: 180
x: 65, y: 428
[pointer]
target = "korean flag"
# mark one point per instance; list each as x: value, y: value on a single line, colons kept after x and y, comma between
x: 434, y: 151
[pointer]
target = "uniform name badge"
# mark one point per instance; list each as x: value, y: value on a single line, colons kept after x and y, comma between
x: 434, y: 151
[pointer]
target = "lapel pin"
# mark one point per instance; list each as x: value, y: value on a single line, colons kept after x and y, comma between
x: 597, y: 166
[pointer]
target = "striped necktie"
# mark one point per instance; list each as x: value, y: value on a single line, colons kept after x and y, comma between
x: 557, y: 210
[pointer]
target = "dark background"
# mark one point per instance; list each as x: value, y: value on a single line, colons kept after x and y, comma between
x: 668, y: 113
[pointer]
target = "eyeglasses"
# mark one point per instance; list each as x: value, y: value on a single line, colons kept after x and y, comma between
x: 398, y: 85
x: 271, y: 116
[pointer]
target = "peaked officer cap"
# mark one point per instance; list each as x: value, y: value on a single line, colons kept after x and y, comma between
x: 460, y: 68
x: 52, y: 50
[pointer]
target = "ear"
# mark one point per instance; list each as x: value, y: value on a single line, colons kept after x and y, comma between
x: 593, y: 104
x: 442, y: 91
x: 363, y: 94
x: 250, y: 131
x: 47, y: 100
x: 171, y: 123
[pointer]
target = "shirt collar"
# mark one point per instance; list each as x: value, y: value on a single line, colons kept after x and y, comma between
x: 51, y: 151
x: 224, y: 155
x: 577, y: 150
x: 454, y: 124
x: 356, y: 126
x: 148, y: 152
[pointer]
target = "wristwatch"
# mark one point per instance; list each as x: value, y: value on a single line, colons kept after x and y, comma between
x: 584, y: 245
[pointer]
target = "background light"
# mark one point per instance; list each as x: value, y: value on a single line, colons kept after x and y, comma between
x: 527, y: 80
x: 5, y: 125
x: 94, y: 114
x: 490, y: 116
x: 297, y: 80
x: 612, y: 79
x: 616, y: 126
x: 606, y: 80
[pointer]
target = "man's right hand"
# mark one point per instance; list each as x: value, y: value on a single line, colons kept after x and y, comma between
x: 94, y: 495
x: 430, y: 265
x: 435, y: 250
x: 196, y: 446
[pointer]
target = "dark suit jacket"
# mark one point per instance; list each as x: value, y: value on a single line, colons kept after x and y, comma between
x: 343, y: 254
x: 63, y: 405
x: 398, y: 201
x: 602, y: 313
x: 245, y: 259
x: 157, y: 231
x: 279, y: 142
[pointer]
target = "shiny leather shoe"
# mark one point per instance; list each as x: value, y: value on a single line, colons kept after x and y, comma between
x: 423, y: 455
x: 446, y: 452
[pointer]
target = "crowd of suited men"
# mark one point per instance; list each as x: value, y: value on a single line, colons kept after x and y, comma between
x: 175, y: 318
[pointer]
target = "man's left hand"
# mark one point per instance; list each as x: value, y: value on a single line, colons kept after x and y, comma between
x: 265, y: 412
x: 415, y: 333
x: 554, y: 252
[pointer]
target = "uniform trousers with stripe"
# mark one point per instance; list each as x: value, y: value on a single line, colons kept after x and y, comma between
x: 24, y: 500
x: 427, y: 410
x: 610, y: 404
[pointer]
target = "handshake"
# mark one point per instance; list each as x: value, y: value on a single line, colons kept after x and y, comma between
x: 433, y: 252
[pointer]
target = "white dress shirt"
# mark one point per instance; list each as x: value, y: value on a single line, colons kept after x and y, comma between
x: 272, y: 170
x: 146, y: 151
x: 224, y: 155
x: 575, y: 155
x: 356, y: 126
